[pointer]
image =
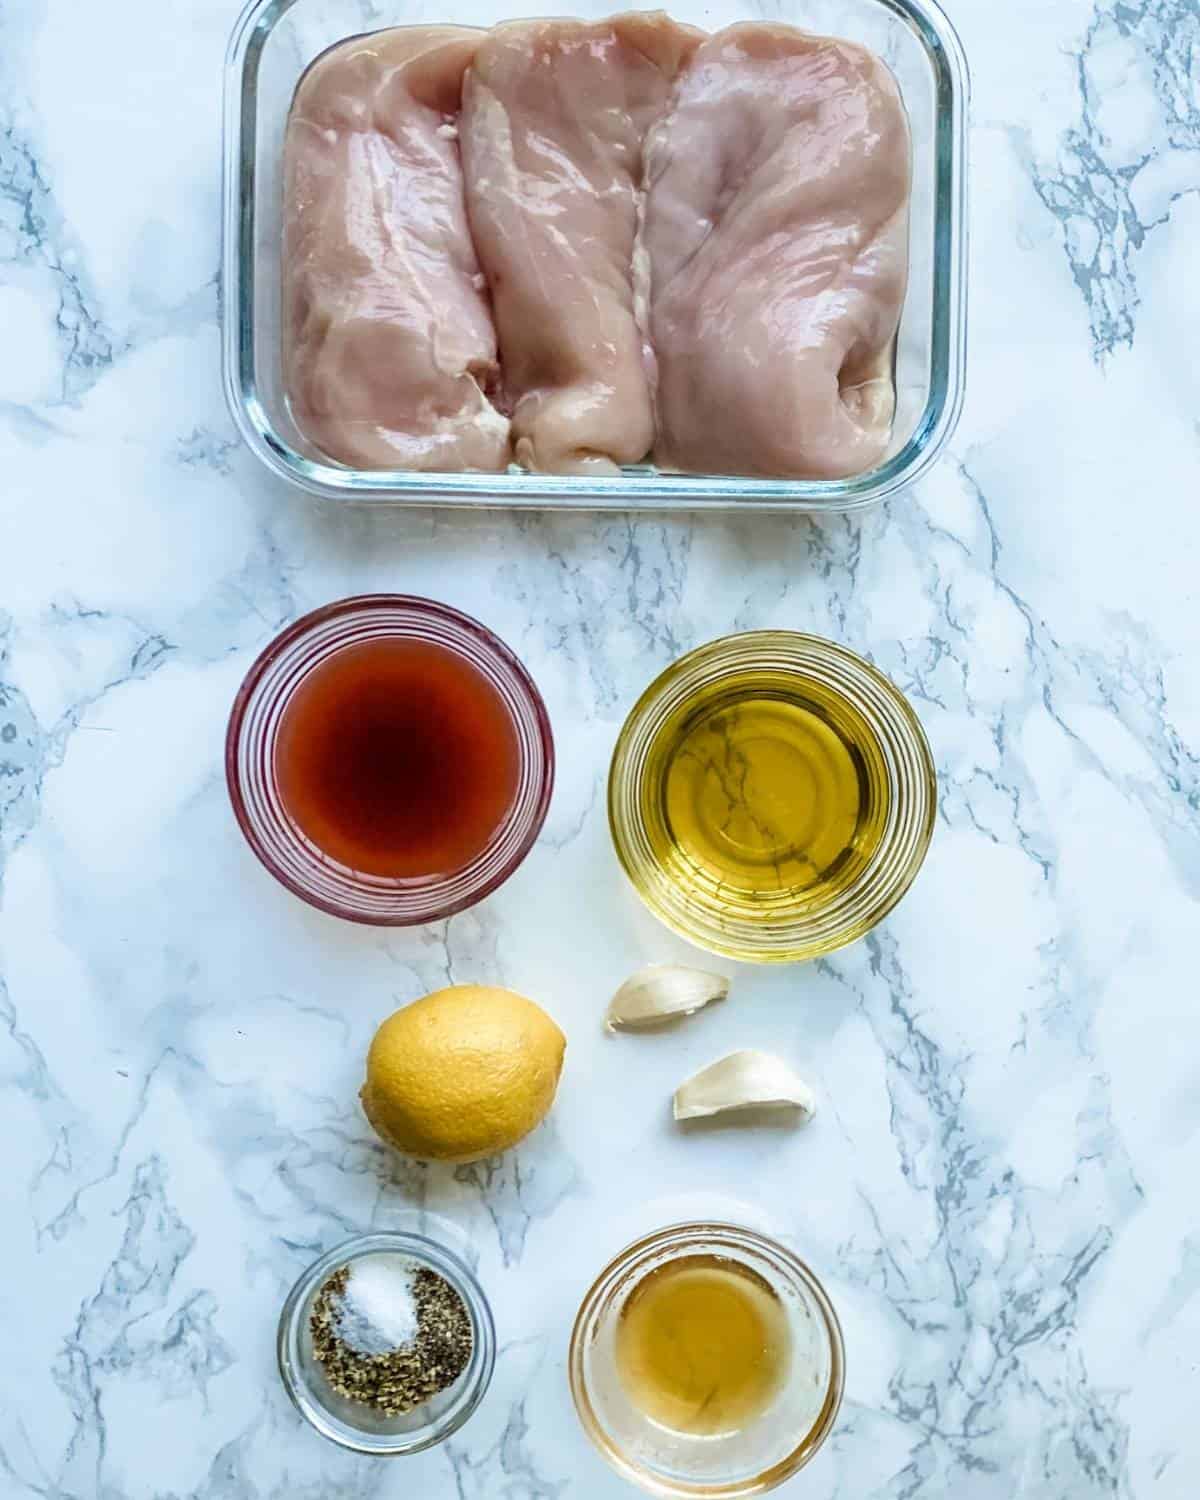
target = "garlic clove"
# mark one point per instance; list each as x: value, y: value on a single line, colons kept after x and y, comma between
x: 662, y: 992
x: 744, y: 1080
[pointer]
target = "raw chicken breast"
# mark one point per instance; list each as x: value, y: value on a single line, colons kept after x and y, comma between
x: 389, y: 350
x: 776, y: 225
x: 555, y: 114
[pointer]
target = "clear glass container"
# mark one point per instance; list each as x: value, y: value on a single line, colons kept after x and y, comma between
x: 897, y: 777
x: 351, y: 1423
x: 275, y: 40
x: 295, y: 860
x: 750, y: 1459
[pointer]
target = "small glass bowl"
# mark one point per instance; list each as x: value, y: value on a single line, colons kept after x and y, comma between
x: 292, y: 858
x: 789, y: 925
x: 350, y: 1423
x: 748, y: 1462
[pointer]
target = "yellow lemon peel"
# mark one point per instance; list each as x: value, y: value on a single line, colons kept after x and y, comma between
x: 463, y: 1073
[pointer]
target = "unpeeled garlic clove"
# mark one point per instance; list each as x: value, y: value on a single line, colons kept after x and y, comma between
x: 743, y: 1080
x: 661, y: 992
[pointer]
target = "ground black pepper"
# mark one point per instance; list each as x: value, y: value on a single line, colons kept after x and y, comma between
x: 403, y: 1378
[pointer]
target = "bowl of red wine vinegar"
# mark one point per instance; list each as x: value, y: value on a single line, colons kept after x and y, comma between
x: 389, y: 759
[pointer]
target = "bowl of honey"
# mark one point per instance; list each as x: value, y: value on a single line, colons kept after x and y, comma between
x: 389, y: 759
x: 772, y: 796
x: 707, y: 1361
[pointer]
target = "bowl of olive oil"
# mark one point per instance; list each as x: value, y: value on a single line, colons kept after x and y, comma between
x: 772, y: 796
x: 707, y: 1361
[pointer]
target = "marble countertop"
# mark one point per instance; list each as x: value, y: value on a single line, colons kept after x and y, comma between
x: 1000, y: 1188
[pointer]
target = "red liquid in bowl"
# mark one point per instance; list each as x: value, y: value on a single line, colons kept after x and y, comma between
x: 397, y: 758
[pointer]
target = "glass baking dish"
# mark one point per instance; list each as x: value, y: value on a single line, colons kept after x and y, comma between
x: 273, y: 43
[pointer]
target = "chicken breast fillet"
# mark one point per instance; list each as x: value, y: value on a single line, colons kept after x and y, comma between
x: 776, y: 225
x: 555, y: 115
x: 389, y: 349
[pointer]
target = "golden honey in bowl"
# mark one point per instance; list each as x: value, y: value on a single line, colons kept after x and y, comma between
x: 765, y: 789
x: 703, y: 1345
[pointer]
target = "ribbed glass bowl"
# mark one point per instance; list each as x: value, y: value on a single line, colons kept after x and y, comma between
x: 359, y: 1427
x: 729, y: 1465
x: 776, y: 926
x: 279, y: 843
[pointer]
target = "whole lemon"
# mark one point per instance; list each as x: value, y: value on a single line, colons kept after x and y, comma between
x: 463, y: 1073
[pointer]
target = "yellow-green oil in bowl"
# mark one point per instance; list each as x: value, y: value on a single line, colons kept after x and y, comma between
x: 771, y: 796
x: 765, y: 789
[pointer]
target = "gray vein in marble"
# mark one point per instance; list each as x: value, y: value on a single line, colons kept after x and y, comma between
x: 34, y: 232
x: 558, y: 835
x: 1096, y: 189
x: 1178, y: 1292
x: 23, y: 754
x: 1126, y: 683
x: 116, y: 1333
x: 461, y: 949
x: 508, y: 1468
x: 32, y: 1077
x: 27, y: 751
x: 69, y: 1215
x: 984, y: 1321
x: 626, y: 578
x: 203, y: 448
x: 525, y: 1184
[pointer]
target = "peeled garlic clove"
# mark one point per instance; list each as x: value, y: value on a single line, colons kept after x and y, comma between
x: 743, y: 1080
x: 660, y: 992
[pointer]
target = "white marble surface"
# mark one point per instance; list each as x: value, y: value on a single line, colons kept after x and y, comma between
x: 1001, y: 1188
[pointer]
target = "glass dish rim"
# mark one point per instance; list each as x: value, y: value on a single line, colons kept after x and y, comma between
x: 723, y: 659
x: 294, y: 634
x: 438, y: 1257
x: 682, y: 1234
x: 629, y: 491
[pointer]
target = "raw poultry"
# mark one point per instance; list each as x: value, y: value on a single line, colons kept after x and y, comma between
x: 389, y: 349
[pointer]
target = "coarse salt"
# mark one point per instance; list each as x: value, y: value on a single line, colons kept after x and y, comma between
x: 377, y: 1312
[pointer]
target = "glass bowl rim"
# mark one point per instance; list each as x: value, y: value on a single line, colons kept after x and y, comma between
x: 293, y: 635
x: 616, y: 1271
x: 729, y: 655
x: 437, y: 1257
